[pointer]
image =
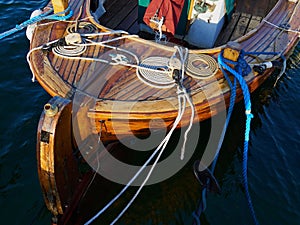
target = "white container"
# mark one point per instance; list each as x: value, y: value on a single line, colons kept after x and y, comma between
x: 206, y: 27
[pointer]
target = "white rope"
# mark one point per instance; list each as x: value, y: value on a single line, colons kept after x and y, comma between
x: 65, y: 21
x: 69, y: 50
x: 281, y: 72
x: 182, y: 97
x: 160, y: 77
x: 207, y: 68
x: 165, y: 142
x: 160, y: 148
x: 30, y: 52
x: 189, y: 100
x: 282, y: 28
x: 105, y: 33
x: 182, y: 89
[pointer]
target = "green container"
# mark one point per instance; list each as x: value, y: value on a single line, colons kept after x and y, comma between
x: 229, y: 7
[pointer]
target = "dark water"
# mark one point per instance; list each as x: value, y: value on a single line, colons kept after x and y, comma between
x: 274, y: 168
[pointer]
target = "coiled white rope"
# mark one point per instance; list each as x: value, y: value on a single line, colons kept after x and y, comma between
x: 161, y: 77
x: 86, y: 26
x: 69, y: 50
x: 201, y: 66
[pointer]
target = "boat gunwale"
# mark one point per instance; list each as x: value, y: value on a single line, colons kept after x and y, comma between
x: 146, y: 104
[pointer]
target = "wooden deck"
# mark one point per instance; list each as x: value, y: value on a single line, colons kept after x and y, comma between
x: 113, y: 96
x: 239, y: 25
x: 121, y: 15
x: 254, y: 7
x: 109, y: 84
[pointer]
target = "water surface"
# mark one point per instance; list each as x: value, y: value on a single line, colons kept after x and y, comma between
x: 274, y: 153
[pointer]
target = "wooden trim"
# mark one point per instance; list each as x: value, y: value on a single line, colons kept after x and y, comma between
x: 57, y: 167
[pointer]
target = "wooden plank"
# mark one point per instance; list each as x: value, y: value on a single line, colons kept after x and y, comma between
x: 254, y: 22
x: 109, y: 5
x: 268, y: 34
x: 241, y: 26
x: 122, y: 14
x: 129, y: 21
x: 135, y: 28
x: 57, y: 168
x: 84, y: 64
x: 255, y: 7
x: 227, y: 31
x: 74, y: 72
x: 115, y: 90
x: 112, y: 12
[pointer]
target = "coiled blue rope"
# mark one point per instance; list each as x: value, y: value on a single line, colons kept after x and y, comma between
x: 223, y: 63
x: 57, y: 16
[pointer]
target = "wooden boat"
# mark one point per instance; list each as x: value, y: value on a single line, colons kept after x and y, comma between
x: 109, y: 84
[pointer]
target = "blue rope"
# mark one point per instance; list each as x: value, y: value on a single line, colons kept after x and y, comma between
x: 202, y: 205
x: 230, y: 109
x: 60, y: 15
x: 262, y: 53
x: 57, y: 16
x: 241, y: 68
x: 249, y: 116
x: 196, y: 217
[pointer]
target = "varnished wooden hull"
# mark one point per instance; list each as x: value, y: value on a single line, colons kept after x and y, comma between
x: 111, y: 103
x: 119, y: 86
x: 55, y: 154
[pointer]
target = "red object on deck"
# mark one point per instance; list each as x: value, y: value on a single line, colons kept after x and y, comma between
x: 169, y: 9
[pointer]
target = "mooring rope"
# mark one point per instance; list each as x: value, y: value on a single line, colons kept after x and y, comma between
x: 202, y: 202
x: 241, y: 68
x: 60, y: 16
x: 288, y: 22
x: 33, y: 50
x: 182, y: 99
x: 282, y: 27
x: 222, y: 61
x: 159, y: 149
x: 183, y: 90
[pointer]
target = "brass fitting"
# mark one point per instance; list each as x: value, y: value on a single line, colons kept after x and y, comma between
x: 50, y: 110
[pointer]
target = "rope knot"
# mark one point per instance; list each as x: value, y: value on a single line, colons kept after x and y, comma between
x: 242, y: 66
